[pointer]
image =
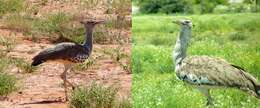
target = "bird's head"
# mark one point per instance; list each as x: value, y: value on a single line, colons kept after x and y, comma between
x: 90, y: 23
x: 184, y: 23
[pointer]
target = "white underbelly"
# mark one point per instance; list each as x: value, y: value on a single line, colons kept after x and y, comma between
x: 194, y: 79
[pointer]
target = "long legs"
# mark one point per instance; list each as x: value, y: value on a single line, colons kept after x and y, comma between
x: 206, y: 92
x: 65, y: 81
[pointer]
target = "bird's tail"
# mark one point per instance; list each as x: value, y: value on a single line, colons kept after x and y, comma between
x: 37, y: 62
x: 258, y: 91
x: 255, y: 83
x: 252, y: 79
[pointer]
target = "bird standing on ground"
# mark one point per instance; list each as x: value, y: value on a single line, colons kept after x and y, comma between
x: 69, y: 53
x: 206, y: 72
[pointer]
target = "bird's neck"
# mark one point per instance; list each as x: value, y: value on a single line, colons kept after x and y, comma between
x: 181, y: 45
x: 88, y: 43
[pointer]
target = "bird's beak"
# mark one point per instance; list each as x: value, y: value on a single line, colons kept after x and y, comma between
x: 82, y: 22
x: 101, y: 22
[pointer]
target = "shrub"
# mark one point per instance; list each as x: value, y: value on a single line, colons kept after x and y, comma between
x: 179, y: 6
x: 95, y: 96
x: 237, y: 8
x: 55, y: 23
x: 18, y: 22
x: 164, y: 6
x: 220, y: 9
x: 8, y: 43
x: 120, y: 22
x: 11, y: 6
x: 7, y: 84
x: 4, y: 62
x: 23, y: 65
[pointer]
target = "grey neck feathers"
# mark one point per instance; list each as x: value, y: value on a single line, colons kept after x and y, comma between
x: 88, y: 43
x: 181, y: 45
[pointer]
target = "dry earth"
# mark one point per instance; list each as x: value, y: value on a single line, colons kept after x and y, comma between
x: 43, y: 88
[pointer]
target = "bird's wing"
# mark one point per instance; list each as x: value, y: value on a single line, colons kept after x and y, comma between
x: 60, y: 51
x: 204, y: 70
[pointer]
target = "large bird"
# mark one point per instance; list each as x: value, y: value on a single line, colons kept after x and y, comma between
x: 69, y: 53
x: 207, y: 72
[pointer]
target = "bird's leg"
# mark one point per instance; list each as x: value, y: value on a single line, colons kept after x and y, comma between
x: 206, y: 92
x: 69, y: 83
x: 64, y: 78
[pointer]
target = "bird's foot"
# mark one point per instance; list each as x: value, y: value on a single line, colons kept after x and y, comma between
x: 209, y: 102
x: 66, y: 99
x: 72, y: 85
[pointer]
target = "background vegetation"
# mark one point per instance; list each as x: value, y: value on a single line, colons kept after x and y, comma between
x: 197, y: 6
x: 61, y: 26
x: 97, y: 96
x: 234, y: 37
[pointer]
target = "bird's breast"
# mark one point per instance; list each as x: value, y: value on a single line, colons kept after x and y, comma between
x: 78, y: 59
x: 192, y: 77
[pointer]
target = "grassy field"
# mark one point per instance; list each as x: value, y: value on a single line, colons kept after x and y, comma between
x: 234, y: 37
x: 36, y: 22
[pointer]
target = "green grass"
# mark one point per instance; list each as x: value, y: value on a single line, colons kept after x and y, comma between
x: 62, y: 26
x: 234, y: 37
x: 7, y: 81
x: 7, y: 84
x: 97, y: 96
x: 8, y: 43
x: 9, y: 6
x: 23, y: 65
x: 18, y: 22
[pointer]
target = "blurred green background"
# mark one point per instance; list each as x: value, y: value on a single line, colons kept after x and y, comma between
x: 225, y: 29
x: 197, y: 6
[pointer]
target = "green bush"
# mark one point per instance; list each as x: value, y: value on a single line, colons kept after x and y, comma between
x: 54, y: 23
x: 94, y: 96
x: 23, y: 65
x: 164, y: 6
x: 238, y: 8
x: 221, y: 9
x: 18, y: 22
x: 179, y: 6
x: 7, y: 84
x: 11, y: 6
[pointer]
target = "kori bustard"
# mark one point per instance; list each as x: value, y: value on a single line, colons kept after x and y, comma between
x: 206, y: 72
x: 69, y: 53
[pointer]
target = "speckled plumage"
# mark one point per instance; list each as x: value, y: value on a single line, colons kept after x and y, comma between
x: 66, y: 52
x: 207, y: 72
x: 204, y: 70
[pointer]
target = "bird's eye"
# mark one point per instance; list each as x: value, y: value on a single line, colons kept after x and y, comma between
x: 187, y: 22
